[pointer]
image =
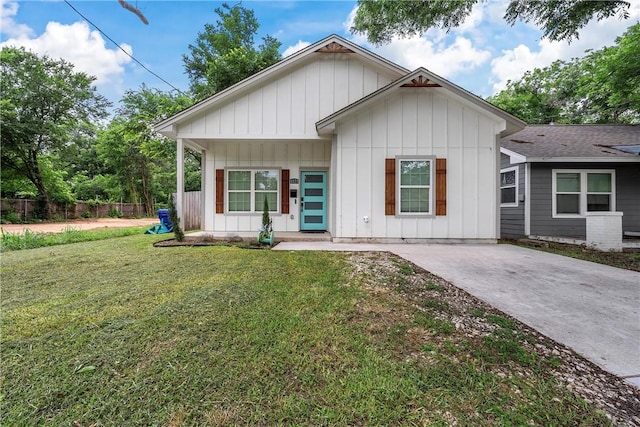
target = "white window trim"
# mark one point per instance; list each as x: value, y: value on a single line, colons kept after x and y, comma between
x: 516, y: 185
x: 583, y: 191
x: 432, y: 171
x: 257, y: 210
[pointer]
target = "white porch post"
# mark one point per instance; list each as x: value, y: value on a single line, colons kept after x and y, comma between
x: 180, y: 179
x: 203, y: 186
x: 208, y: 190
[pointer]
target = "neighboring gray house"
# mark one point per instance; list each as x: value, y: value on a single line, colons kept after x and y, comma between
x: 553, y: 177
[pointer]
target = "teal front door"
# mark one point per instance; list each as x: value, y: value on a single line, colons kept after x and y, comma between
x: 313, y: 201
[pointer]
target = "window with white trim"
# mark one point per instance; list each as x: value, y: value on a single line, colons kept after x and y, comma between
x: 509, y: 187
x: 576, y: 192
x: 415, y: 184
x: 248, y: 189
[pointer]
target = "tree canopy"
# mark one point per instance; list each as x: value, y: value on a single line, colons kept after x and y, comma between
x: 57, y: 147
x: 43, y: 103
x: 601, y: 87
x: 225, y: 53
x: 142, y: 161
x: 380, y: 20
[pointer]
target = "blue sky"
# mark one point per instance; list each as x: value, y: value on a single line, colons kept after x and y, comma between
x: 481, y: 55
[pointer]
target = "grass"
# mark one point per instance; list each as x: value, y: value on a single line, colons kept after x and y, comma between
x: 625, y: 260
x: 32, y: 240
x: 118, y: 332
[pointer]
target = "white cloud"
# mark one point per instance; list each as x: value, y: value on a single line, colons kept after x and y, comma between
x: 8, y: 24
x: 430, y: 51
x: 513, y: 63
x: 75, y: 43
x: 473, y: 20
x: 295, y: 48
x: 444, y: 60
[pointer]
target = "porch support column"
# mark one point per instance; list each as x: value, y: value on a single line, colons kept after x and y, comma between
x: 180, y: 179
x: 208, y: 190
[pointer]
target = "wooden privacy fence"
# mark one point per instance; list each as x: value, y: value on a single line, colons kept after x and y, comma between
x: 191, y: 210
x: 27, y: 209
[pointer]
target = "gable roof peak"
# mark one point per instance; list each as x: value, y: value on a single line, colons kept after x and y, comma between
x: 421, y: 80
x: 330, y: 44
x: 334, y: 47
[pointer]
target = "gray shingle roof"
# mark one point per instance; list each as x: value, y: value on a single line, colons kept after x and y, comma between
x: 575, y: 141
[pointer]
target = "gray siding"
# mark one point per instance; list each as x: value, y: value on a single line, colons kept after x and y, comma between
x: 627, y: 199
x: 628, y: 195
x: 512, y: 218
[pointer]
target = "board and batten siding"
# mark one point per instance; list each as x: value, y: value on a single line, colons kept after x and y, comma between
x: 289, y: 105
x: 512, y: 217
x: 542, y: 221
x: 291, y: 155
x: 416, y: 122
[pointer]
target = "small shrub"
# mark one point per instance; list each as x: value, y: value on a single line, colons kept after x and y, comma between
x: 114, y: 212
x: 175, y: 220
x: 10, y: 217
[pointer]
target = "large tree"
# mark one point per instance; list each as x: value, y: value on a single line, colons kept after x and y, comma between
x: 380, y: 20
x: 44, y: 101
x: 143, y: 161
x: 225, y: 53
x: 601, y: 87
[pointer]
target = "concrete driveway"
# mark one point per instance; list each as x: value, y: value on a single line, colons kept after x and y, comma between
x: 593, y: 309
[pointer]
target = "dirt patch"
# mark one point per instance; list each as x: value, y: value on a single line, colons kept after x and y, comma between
x: 80, y: 224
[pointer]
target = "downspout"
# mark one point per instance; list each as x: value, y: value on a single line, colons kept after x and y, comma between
x: 498, y: 194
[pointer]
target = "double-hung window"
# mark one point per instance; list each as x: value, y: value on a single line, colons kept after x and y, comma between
x: 415, y: 185
x: 509, y: 187
x: 577, y: 192
x: 247, y: 190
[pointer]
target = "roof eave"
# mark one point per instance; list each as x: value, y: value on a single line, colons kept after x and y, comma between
x: 274, y: 69
x: 512, y: 123
x: 622, y: 159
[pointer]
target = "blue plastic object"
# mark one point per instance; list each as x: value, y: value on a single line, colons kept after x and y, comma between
x: 163, y: 216
x: 165, y: 225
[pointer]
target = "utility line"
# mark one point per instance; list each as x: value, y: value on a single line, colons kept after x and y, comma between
x: 120, y: 47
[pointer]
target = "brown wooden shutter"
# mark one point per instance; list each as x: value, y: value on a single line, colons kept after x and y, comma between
x: 284, y: 195
x: 441, y: 186
x: 219, y: 190
x: 390, y: 186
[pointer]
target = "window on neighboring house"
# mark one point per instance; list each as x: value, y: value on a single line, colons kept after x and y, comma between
x: 415, y: 185
x: 509, y: 187
x: 576, y: 192
x: 247, y: 190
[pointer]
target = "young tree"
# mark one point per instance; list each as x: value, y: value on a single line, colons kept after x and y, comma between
x: 225, y: 53
x: 380, y: 20
x: 43, y: 102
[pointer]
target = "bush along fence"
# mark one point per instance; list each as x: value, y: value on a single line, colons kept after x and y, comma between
x: 25, y: 210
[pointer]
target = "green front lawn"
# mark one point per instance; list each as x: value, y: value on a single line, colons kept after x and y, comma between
x: 118, y: 332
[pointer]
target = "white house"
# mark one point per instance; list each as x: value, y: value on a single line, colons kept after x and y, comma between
x: 339, y: 139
